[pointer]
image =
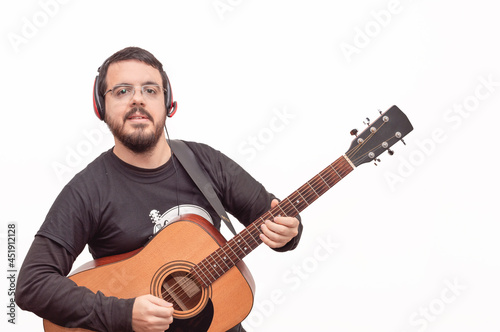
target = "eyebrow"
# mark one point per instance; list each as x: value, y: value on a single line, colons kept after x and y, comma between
x: 144, y: 83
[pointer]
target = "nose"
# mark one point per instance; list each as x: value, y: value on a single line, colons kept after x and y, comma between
x: 137, y: 98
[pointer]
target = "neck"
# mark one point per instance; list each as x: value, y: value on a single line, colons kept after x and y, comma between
x: 154, y: 158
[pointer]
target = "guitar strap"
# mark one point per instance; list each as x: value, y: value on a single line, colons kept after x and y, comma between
x: 188, y: 160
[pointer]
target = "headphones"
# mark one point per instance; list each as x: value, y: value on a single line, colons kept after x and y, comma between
x: 100, y: 110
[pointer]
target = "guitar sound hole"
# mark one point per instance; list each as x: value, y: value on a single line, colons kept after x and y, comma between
x: 181, y: 290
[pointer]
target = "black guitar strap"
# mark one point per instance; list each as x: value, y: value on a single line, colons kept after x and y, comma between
x: 188, y: 160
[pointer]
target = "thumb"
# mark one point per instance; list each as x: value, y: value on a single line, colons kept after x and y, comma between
x: 274, y: 202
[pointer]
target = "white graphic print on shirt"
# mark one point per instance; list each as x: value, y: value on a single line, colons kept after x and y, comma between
x: 163, y: 220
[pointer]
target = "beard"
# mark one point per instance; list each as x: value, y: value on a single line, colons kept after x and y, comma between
x: 139, y: 140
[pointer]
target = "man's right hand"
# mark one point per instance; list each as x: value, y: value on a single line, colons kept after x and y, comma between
x: 151, y: 314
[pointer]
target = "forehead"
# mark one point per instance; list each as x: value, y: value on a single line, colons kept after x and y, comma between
x: 132, y: 72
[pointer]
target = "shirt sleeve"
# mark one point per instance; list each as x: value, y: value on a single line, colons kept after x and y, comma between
x: 43, y: 289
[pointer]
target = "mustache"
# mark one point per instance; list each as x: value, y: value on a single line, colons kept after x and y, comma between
x: 142, y: 111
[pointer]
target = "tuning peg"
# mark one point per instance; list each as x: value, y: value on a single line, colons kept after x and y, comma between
x: 354, y: 132
x: 367, y: 122
x: 390, y: 152
x: 380, y: 111
x: 375, y: 161
x: 403, y: 141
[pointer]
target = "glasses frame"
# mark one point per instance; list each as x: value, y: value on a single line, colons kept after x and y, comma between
x: 133, y: 90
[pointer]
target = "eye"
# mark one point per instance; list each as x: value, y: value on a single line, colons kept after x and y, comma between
x: 121, y: 91
x: 151, y: 89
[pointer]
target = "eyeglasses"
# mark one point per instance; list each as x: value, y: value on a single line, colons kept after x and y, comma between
x: 125, y: 92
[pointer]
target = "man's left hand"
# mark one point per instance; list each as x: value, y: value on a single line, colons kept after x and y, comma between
x: 279, y: 231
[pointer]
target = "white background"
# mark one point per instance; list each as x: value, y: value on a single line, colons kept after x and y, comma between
x: 277, y: 86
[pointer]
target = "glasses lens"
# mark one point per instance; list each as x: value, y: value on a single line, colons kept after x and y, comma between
x: 151, y: 91
x: 122, y: 91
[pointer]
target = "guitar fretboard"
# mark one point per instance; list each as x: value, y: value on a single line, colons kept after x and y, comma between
x: 224, y: 258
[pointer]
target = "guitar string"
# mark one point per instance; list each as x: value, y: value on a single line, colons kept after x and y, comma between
x: 247, y: 234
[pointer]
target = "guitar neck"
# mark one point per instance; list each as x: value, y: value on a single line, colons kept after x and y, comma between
x: 224, y: 258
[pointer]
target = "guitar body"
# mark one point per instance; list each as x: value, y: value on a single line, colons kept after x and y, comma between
x: 161, y: 268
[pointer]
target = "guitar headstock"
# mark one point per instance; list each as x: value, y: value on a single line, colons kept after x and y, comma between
x: 389, y: 128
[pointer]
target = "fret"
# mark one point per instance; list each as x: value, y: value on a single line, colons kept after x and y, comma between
x: 236, y: 256
x: 292, y: 205
x: 329, y: 187
x: 288, y: 210
x: 222, y: 259
x: 284, y: 213
x: 252, y: 237
x: 257, y: 229
x: 303, y: 199
x: 247, y: 246
x: 237, y: 241
x: 340, y: 177
x: 261, y: 220
x: 199, y: 276
x: 298, y: 202
x: 313, y: 189
x: 329, y: 178
x: 205, y: 278
x: 226, y: 256
x: 214, y: 266
x: 319, y: 185
x: 204, y: 267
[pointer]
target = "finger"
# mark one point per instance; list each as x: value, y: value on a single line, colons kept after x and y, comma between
x: 271, y: 229
x: 285, y: 226
x: 158, y: 301
x: 161, y: 308
x: 272, y: 235
x: 269, y: 242
x: 164, y: 313
x: 289, y: 222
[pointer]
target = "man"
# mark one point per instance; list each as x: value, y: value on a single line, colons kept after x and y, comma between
x: 110, y: 204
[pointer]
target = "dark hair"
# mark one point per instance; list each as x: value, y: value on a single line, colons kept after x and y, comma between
x: 130, y: 53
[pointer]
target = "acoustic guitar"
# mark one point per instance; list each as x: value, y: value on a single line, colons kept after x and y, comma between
x: 190, y: 264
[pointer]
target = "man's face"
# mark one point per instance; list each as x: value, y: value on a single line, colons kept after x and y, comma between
x: 136, y: 119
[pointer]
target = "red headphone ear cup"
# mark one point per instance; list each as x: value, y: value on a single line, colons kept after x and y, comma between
x: 172, y: 110
x: 98, y: 101
x: 170, y: 104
